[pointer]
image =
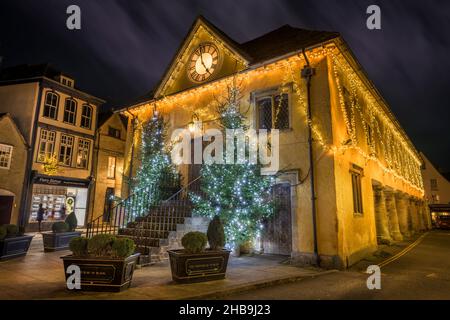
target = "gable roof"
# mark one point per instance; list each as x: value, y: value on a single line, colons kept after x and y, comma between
x: 282, y: 41
x: 274, y: 44
x: 103, y: 117
x: 8, y: 116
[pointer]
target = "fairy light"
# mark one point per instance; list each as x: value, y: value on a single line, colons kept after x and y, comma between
x: 399, y: 158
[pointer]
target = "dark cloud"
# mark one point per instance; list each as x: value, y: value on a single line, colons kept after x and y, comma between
x: 124, y: 46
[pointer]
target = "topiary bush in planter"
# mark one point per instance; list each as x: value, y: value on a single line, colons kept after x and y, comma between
x: 123, y: 247
x: 100, y: 245
x: 194, y: 242
x: 72, y: 221
x: 194, y: 263
x: 216, y: 234
x: 59, y: 227
x: 13, y: 243
x: 62, y: 233
x: 79, y: 246
x: 106, y: 262
x: 3, y: 232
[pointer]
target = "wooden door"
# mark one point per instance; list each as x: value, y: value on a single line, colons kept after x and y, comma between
x: 277, y: 234
x: 6, y: 205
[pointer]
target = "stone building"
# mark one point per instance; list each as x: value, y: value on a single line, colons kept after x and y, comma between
x: 109, y: 152
x: 13, y: 157
x: 58, y: 122
x: 350, y: 177
x: 437, y: 189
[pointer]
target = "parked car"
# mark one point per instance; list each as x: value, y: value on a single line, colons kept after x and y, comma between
x: 443, y: 222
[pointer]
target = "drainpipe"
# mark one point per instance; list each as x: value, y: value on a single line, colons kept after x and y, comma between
x: 307, y: 73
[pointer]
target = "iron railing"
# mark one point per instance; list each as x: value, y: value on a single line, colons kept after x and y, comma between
x: 136, y: 206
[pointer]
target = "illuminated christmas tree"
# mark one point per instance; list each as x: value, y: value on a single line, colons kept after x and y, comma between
x: 237, y: 193
x: 156, y: 174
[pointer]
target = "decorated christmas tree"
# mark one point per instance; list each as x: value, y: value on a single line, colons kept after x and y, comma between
x: 156, y: 174
x: 237, y: 193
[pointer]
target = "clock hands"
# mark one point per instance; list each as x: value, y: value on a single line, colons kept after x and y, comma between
x: 203, y: 63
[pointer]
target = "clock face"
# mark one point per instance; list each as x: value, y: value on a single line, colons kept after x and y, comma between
x: 203, y: 62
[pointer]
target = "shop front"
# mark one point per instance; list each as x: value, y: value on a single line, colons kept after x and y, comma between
x: 59, y: 196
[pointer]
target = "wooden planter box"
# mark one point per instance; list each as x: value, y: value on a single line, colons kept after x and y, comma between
x: 14, y: 247
x: 103, y: 274
x: 58, y: 241
x: 205, y: 266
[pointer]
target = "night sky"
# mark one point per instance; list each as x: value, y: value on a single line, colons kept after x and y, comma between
x: 123, y: 47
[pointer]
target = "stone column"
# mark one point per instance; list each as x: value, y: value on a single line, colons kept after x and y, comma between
x: 420, y: 215
x: 402, y: 213
x: 381, y: 218
x: 427, y: 216
x: 414, y: 215
x: 392, y: 215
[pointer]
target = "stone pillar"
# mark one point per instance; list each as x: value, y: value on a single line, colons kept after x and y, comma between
x: 420, y: 215
x: 414, y: 215
x: 426, y: 215
x: 394, y: 228
x: 402, y: 213
x: 381, y: 218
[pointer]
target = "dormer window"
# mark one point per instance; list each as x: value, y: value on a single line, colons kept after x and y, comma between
x: 67, y: 81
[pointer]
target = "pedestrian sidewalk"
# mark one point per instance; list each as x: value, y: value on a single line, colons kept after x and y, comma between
x: 40, y: 275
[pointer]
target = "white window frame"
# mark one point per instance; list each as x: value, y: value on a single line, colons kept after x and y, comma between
x: 68, y: 143
x: 70, y: 112
x: 50, y: 105
x: 84, y: 146
x: 6, y: 151
x: 85, y: 117
x: 48, y: 138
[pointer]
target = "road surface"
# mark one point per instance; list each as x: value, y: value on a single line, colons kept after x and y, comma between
x: 422, y: 272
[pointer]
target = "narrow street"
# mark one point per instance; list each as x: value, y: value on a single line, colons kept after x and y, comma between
x: 423, y: 272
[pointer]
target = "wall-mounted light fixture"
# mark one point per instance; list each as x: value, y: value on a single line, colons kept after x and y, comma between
x: 195, y: 124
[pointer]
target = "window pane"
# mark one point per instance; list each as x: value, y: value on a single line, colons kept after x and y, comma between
x: 281, y: 111
x: 70, y: 111
x: 111, y: 167
x: 5, y: 156
x: 86, y: 117
x: 51, y: 105
x: 83, y: 153
x: 65, y: 150
x: 265, y: 113
x: 357, y: 192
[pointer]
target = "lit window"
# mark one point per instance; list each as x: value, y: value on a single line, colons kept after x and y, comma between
x: 111, y: 167
x: 86, y: 116
x: 83, y: 153
x: 46, y: 144
x: 113, y: 132
x: 65, y: 150
x: 70, y: 111
x: 51, y: 105
x: 5, y: 156
x: 273, y: 111
x: 356, y: 174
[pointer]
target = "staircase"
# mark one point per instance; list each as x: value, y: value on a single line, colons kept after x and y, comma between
x: 155, y: 226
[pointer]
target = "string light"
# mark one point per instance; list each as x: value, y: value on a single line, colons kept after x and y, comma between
x: 399, y: 158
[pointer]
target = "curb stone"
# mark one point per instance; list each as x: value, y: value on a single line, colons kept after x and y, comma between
x: 254, y: 285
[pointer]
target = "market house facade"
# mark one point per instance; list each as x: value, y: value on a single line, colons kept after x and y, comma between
x: 58, y: 122
x: 367, y: 181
